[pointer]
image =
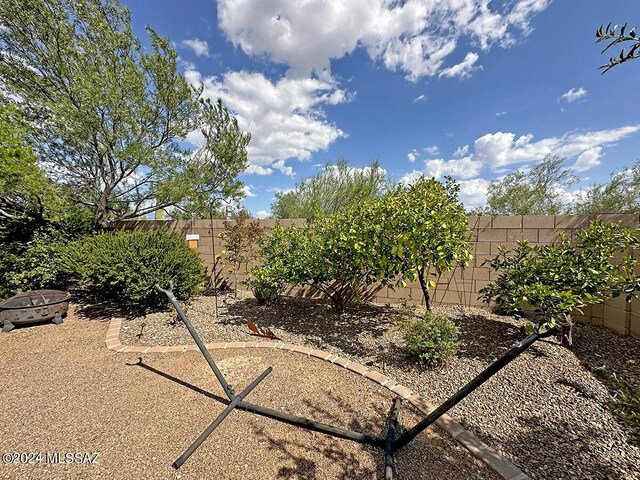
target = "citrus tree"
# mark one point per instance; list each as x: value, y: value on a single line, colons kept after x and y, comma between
x: 421, y: 232
x: 557, y: 279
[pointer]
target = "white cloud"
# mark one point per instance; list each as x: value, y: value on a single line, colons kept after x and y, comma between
x: 412, y: 155
x: 414, y: 36
x: 473, y: 193
x: 258, y: 170
x: 199, y: 47
x: 262, y: 214
x: 464, y: 68
x: 280, y: 165
x: 501, y: 148
x: 246, y: 190
x: 461, y: 168
x: 432, y: 150
x: 420, y: 98
x: 588, y: 159
x: 461, y: 151
x: 499, y: 114
x: 573, y: 95
x: 411, y: 177
x: 280, y: 190
x: 285, y: 117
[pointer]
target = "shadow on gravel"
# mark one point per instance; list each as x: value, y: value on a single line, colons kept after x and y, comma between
x: 92, y: 307
x: 576, y: 445
x: 485, y: 338
x: 316, y: 320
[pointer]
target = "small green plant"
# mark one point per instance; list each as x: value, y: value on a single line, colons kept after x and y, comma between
x: 431, y: 339
x: 126, y: 266
x: 265, y: 283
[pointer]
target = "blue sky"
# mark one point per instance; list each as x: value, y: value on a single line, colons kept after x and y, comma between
x: 471, y: 88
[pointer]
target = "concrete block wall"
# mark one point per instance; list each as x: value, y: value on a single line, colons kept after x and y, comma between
x: 460, y: 286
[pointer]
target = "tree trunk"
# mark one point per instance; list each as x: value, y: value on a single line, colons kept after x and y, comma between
x: 566, y: 333
x: 425, y: 290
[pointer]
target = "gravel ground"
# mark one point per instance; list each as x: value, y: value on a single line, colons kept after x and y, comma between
x: 545, y: 411
x: 63, y: 391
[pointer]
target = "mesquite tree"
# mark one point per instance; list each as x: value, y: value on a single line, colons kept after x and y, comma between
x: 108, y: 114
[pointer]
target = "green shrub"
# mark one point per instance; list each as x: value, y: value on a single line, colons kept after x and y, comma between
x: 126, y: 266
x: 558, y: 279
x: 431, y: 339
x: 265, y: 283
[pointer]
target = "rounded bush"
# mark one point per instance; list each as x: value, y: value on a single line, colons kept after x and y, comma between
x: 431, y: 339
x: 126, y: 266
x: 266, y: 284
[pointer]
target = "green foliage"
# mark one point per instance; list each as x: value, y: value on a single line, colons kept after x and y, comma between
x: 25, y: 191
x: 266, y: 283
x: 109, y: 113
x: 211, y: 174
x: 125, y: 266
x: 418, y: 231
x: 532, y: 193
x: 331, y: 189
x: 331, y: 255
x: 431, y: 339
x: 614, y: 37
x: 620, y: 195
x: 414, y: 232
x: 31, y: 249
x: 559, y: 278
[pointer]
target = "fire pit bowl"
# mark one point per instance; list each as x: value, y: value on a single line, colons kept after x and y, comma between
x: 33, y: 306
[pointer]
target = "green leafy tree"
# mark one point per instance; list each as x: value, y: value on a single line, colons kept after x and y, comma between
x: 620, y: 195
x: 332, y: 255
x: 331, y: 189
x: 212, y: 171
x: 420, y: 231
x: 110, y: 113
x: 560, y: 278
x: 25, y: 191
x: 614, y: 37
x: 530, y: 193
x: 36, y: 218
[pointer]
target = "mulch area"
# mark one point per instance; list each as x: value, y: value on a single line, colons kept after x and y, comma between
x: 63, y: 391
x: 546, y: 412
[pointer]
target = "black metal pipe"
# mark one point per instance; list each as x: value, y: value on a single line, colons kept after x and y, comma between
x: 485, y: 375
x: 391, y: 434
x: 228, y: 391
x: 312, y: 424
x: 218, y: 420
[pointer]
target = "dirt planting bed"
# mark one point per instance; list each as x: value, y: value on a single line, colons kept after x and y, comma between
x: 547, y: 412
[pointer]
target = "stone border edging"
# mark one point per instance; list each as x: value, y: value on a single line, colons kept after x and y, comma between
x: 481, y: 450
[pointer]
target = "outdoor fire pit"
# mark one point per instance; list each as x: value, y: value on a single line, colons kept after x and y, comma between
x: 33, y: 306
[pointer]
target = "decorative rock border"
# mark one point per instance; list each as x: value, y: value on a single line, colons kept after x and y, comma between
x: 481, y: 450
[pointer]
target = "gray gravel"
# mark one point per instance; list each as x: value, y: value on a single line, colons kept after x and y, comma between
x: 545, y: 412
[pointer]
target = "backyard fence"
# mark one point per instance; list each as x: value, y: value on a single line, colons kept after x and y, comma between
x: 457, y: 287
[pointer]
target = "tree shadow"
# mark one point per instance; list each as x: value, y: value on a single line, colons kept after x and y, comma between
x: 485, y: 338
x: 316, y: 320
x: 576, y: 446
